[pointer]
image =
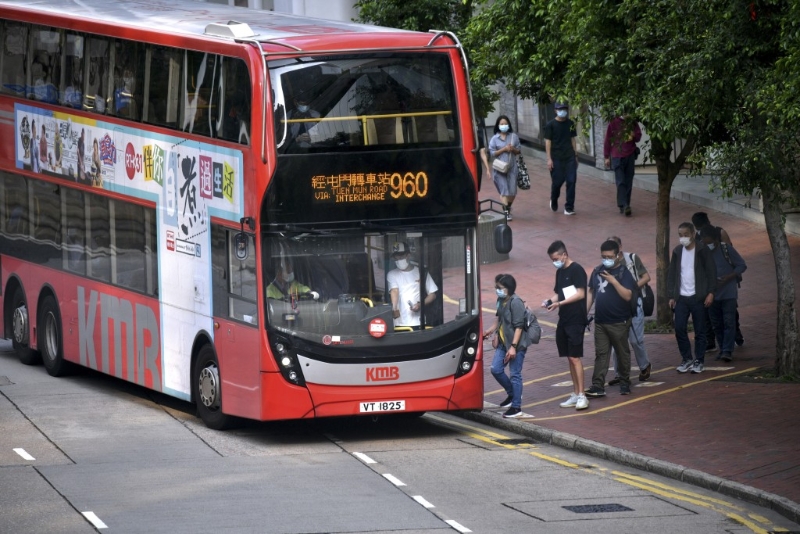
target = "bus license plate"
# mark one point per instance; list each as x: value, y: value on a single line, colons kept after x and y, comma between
x: 382, y: 406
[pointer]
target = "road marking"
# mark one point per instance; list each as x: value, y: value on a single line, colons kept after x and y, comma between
x: 364, y: 458
x: 643, y: 398
x: 542, y: 379
x: 458, y: 424
x: 93, y: 519
x: 420, y: 499
x: 568, y: 383
x: 649, y: 384
x: 558, y: 461
x: 393, y: 479
x: 670, y: 492
x: 25, y: 456
x: 456, y: 525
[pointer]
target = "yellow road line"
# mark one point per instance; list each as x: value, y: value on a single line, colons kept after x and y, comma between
x: 456, y: 424
x: 555, y: 460
x: 757, y: 529
x: 646, y: 397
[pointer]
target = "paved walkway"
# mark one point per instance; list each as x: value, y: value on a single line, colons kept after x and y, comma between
x: 742, y: 438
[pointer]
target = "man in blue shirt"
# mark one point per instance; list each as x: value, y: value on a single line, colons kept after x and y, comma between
x: 611, y: 288
x: 730, y: 267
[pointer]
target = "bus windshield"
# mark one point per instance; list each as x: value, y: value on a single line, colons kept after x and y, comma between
x: 344, y: 103
x: 339, y: 284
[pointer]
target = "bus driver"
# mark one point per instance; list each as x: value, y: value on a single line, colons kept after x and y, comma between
x: 284, y: 286
x: 404, y: 288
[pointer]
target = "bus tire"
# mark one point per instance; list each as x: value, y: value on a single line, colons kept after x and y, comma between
x: 208, y: 390
x: 20, y: 328
x: 50, y: 341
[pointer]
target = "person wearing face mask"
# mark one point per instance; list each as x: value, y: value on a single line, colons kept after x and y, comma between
x: 286, y: 287
x: 302, y: 113
x: 611, y: 288
x: 570, y: 300
x: 511, y: 348
x: 636, y: 334
x: 730, y: 266
x: 561, y: 145
x: 691, y: 282
x: 404, y: 288
x: 619, y: 151
x: 505, y: 146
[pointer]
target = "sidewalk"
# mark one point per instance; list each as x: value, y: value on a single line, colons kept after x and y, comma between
x: 716, y: 429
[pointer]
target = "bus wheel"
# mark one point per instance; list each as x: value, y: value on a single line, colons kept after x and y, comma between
x: 208, y: 390
x: 50, y: 338
x: 20, y: 326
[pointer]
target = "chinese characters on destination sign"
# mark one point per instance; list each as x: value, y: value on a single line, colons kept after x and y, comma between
x: 369, y: 187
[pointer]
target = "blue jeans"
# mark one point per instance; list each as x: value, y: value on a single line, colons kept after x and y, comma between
x: 723, y: 316
x: 623, y: 176
x: 564, y: 170
x: 684, y: 307
x: 513, y: 385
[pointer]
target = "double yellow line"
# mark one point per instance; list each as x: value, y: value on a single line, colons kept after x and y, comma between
x: 756, y: 523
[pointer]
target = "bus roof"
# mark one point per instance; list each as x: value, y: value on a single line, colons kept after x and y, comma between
x: 192, y: 18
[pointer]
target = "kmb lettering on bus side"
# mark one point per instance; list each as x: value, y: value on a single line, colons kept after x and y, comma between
x: 141, y: 336
x: 383, y: 374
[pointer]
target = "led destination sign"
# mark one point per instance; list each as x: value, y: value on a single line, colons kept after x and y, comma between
x: 369, y: 187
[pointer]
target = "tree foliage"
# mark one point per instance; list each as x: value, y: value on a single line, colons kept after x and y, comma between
x: 710, y: 73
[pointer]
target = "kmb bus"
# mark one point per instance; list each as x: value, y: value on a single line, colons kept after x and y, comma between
x: 206, y: 200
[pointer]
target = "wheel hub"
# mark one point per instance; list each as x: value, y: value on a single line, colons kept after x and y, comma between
x: 208, y: 387
x: 20, y: 325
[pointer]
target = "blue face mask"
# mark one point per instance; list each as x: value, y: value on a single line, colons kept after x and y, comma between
x: 503, y: 128
x: 562, y: 113
x: 558, y: 264
x: 501, y: 293
x: 608, y: 263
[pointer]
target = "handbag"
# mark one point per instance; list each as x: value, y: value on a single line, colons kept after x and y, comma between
x: 500, y: 166
x: 648, y: 300
x: 523, y: 179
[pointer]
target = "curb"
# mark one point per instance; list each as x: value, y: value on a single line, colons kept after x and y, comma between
x: 783, y: 506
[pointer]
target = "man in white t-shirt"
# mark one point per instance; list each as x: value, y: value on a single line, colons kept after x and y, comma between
x: 404, y: 288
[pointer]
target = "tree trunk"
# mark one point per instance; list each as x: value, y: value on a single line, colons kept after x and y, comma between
x: 665, y: 179
x: 787, y: 340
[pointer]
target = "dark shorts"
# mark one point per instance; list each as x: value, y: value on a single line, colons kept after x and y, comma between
x: 569, y: 340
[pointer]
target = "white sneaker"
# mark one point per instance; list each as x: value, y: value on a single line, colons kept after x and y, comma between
x: 570, y: 402
x: 684, y: 366
x: 582, y: 403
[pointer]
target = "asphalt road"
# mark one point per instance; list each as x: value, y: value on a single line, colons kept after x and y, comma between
x: 89, y: 453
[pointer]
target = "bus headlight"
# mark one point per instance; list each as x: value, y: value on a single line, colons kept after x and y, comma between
x: 468, y: 353
x: 287, y: 361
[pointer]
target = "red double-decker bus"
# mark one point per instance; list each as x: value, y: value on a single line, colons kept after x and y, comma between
x: 271, y: 216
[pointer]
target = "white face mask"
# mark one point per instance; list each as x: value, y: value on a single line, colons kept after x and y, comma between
x: 503, y: 128
x: 290, y: 277
x: 562, y: 113
x: 711, y: 246
x: 401, y: 264
x: 685, y: 241
x: 558, y: 264
x: 302, y: 108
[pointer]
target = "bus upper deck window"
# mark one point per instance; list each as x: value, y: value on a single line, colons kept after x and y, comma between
x: 15, y: 50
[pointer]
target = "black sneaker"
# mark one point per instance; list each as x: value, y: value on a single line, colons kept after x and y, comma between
x: 624, y: 389
x: 614, y: 381
x: 627, y: 211
x: 553, y: 205
x: 739, y: 339
x: 644, y: 374
x: 506, y: 403
x: 595, y: 392
x: 726, y: 356
x: 512, y: 412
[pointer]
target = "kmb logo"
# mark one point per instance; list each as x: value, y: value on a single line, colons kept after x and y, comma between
x: 382, y: 374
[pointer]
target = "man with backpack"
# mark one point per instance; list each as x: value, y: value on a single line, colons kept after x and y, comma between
x: 611, y: 288
x: 636, y: 333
